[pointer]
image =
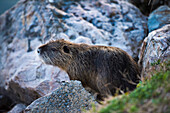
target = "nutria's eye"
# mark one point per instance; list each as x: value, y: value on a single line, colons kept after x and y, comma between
x: 53, y: 49
x: 65, y: 49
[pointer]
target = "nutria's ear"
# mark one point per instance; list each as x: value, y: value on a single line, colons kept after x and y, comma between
x: 66, y: 49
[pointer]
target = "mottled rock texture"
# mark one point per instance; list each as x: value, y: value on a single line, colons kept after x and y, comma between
x: 23, y: 76
x: 31, y: 23
x: 155, y: 48
x: 68, y: 98
x: 159, y: 18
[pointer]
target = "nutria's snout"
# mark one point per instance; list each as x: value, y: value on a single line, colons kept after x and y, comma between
x: 41, y: 49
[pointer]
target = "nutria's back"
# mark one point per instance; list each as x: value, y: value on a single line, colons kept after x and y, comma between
x: 101, y: 68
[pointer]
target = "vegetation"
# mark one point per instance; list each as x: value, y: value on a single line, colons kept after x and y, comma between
x: 151, y: 95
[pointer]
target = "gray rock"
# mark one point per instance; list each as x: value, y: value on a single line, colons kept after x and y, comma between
x: 159, y: 18
x: 70, y: 97
x: 82, y: 39
x: 155, y: 48
x: 26, y: 77
x: 117, y: 24
x: 23, y: 75
x: 17, y: 108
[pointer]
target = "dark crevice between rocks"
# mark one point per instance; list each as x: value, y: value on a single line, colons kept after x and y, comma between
x: 6, y: 103
x: 29, y: 45
x: 147, y: 6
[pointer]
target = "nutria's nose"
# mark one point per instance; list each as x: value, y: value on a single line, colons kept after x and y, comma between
x: 39, y: 50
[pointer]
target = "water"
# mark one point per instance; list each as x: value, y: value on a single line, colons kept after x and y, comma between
x: 6, y: 4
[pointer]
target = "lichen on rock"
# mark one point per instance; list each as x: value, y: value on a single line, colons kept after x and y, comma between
x: 155, y: 48
x: 70, y: 97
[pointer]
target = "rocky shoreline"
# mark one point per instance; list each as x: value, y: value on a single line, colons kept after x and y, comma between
x: 27, y: 83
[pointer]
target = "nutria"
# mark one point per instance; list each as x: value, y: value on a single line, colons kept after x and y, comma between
x: 102, y: 69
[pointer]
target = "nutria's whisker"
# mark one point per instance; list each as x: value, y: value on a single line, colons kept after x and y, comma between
x: 48, y: 58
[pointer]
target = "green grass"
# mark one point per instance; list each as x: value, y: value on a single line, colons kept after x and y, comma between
x: 152, y: 95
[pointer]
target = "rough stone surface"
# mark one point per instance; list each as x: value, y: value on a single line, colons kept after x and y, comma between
x: 70, y: 97
x: 159, y: 18
x: 17, y: 108
x: 23, y: 76
x: 82, y: 39
x: 155, y: 48
x: 105, y: 23
x: 26, y: 77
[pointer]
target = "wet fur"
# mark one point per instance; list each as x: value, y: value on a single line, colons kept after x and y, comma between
x: 102, y: 69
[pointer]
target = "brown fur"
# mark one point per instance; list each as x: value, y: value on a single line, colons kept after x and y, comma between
x: 103, y: 69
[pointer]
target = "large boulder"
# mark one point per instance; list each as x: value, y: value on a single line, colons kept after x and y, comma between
x: 159, y: 18
x: 26, y: 78
x: 23, y: 75
x: 117, y: 23
x: 155, y: 48
x: 31, y: 23
x: 68, y: 98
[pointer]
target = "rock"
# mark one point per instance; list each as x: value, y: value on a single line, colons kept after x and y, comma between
x: 70, y: 97
x: 29, y: 24
x: 23, y: 75
x: 110, y: 24
x: 155, y: 48
x: 28, y: 79
x: 159, y: 18
x: 147, y: 6
x: 17, y: 108
x: 82, y: 39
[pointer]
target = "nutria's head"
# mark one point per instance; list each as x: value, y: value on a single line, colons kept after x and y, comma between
x: 58, y: 53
